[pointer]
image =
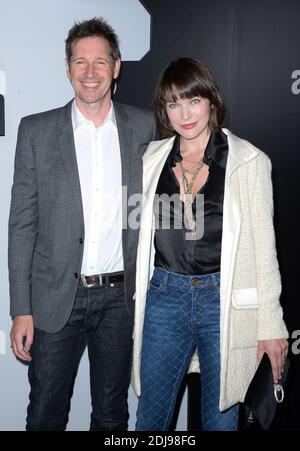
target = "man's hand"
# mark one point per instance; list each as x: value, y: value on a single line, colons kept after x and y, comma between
x: 22, y: 328
x: 277, y: 351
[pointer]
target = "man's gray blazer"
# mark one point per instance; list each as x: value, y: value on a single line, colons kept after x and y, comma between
x: 46, y: 226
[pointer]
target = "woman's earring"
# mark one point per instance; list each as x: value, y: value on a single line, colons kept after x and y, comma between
x: 115, y: 87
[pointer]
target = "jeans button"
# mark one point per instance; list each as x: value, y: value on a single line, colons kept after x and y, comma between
x: 196, y: 282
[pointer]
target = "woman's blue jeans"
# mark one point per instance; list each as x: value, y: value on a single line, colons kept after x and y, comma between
x: 182, y: 314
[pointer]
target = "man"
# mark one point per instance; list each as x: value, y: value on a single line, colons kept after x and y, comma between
x: 71, y: 254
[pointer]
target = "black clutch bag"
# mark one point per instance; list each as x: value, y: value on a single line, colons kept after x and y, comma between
x: 263, y: 395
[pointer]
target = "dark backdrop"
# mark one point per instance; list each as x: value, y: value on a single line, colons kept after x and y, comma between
x: 252, y: 47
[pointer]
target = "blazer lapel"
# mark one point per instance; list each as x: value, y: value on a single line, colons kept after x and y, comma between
x: 125, y: 141
x: 66, y: 147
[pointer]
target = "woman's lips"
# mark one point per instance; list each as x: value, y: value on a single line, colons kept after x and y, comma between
x: 189, y: 126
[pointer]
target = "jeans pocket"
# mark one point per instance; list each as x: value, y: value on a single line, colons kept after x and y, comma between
x: 155, y: 284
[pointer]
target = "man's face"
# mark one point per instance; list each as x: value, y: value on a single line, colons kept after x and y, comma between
x: 91, y: 70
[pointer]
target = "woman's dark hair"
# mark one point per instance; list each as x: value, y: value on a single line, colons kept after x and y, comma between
x: 187, y: 78
x: 93, y: 27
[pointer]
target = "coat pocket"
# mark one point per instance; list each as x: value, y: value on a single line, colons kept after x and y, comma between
x: 244, y: 298
x: 243, y: 328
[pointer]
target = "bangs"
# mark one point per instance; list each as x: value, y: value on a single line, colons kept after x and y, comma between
x: 174, y: 92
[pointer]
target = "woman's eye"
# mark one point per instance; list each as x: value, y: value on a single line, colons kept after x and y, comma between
x: 195, y: 101
x: 173, y: 105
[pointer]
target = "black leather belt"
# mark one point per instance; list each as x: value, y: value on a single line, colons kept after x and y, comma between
x: 98, y: 280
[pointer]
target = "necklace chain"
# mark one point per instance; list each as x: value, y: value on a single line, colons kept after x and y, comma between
x: 188, y: 191
x: 194, y: 169
x: 191, y: 161
x: 188, y: 186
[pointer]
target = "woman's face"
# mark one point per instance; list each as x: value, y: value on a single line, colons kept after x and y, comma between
x: 189, y: 117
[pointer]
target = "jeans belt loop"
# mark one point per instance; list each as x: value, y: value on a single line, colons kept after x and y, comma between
x: 84, y: 282
x: 165, y: 279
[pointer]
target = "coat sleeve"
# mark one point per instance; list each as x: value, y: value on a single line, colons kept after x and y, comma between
x: 270, y: 315
x: 23, y: 222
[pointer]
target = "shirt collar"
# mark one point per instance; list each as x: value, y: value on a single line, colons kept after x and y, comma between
x: 216, y: 150
x: 78, y: 119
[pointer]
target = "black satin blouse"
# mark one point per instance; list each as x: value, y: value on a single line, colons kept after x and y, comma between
x: 173, y: 251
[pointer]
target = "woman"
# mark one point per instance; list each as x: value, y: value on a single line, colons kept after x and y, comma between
x: 216, y: 284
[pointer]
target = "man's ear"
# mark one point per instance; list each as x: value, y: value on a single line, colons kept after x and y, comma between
x: 117, y: 68
x: 67, y: 68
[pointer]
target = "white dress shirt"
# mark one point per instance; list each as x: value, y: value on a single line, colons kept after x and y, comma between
x: 99, y: 165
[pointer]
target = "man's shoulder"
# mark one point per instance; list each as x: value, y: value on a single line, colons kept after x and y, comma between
x: 47, y: 116
x: 132, y: 111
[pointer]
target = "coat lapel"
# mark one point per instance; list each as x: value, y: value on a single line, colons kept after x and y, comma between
x: 66, y: 147
x: 125, y: 140
x: 240, y: 152
x: 153, y: 161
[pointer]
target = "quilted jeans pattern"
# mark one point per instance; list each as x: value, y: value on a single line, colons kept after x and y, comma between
x: 182, y: 314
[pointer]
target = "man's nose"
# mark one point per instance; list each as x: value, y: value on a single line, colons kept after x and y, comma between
x: 89, y: 70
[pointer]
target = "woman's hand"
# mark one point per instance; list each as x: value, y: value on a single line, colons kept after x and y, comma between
x: 277, y: 351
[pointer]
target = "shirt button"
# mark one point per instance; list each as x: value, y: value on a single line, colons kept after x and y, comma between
x: 80, y: 240
x: 76, y: 275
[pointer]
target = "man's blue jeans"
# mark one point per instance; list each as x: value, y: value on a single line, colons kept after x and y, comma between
x: 182, y: 314
x: 101, y: 322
